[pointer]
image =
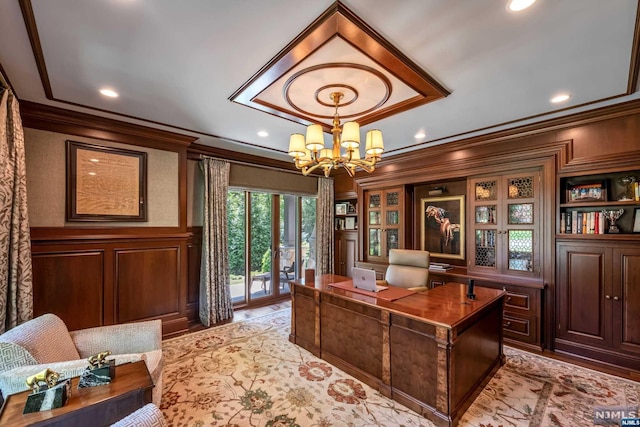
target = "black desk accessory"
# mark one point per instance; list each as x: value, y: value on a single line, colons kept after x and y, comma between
x: 470, y: 293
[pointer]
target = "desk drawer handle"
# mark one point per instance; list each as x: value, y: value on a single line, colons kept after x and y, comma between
x: 506, y: 324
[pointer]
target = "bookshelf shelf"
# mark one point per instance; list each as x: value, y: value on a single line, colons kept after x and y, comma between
x: 611, y: 187
x: 600, y: 204
x: 616, y: 237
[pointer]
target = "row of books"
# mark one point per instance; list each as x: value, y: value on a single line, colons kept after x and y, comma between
x: 439, y: 266
x: 582, y: 223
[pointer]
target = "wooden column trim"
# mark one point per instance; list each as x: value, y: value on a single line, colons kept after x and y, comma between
x: 442, y: 340
x: 316, y: 338
x: 385, y: 320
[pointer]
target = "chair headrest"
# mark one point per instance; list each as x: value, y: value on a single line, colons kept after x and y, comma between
x: 410, y: 257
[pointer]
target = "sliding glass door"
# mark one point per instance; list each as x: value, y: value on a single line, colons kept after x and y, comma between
x: 270, y: 245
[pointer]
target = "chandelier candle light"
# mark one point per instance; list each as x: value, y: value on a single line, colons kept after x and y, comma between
x: 310, y: 153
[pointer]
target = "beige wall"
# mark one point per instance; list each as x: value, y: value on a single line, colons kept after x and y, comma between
x: 46, y: 187
x: 249, y: 177
x: 195, y: 194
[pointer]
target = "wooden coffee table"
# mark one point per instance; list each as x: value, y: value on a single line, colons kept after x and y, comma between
x: 102, y: 405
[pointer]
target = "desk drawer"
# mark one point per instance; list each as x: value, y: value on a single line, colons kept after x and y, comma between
x: 518, y: 326
x: 516, y: 300
x: 521, y: 329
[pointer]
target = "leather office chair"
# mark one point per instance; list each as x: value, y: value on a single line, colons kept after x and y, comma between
x: 408, y: 268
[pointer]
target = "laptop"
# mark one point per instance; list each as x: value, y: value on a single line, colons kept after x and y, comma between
x: 365, y: 279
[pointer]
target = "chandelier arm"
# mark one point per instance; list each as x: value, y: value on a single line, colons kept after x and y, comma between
x: 299, y: 164
x: 309, y: 169
x: 350, y: 170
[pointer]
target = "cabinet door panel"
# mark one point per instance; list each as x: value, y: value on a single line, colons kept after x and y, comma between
x: 626, y: 279
x: 350, y: 248
x: 581, y: 291
x: 384, y: 223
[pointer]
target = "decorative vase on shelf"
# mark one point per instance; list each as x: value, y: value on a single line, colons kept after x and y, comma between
x: 628, y: 191
x: 612, y: 216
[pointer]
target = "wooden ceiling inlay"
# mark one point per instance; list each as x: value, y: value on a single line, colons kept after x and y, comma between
x: 378, y: 80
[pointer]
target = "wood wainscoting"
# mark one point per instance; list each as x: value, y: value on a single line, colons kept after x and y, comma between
x: 95, y: 277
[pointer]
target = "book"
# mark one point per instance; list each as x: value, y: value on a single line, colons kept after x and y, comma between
x: 600, y: 223
x: 563, y: 224
x: 579, y: 222
x: 439, y: 266
x: 574, y: 222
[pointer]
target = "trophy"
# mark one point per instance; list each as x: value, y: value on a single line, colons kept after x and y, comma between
x: 613, y: 216
x: 49, y: 391
x: 99, y: 372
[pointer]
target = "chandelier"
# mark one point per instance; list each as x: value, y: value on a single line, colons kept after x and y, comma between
x: 310, y: 153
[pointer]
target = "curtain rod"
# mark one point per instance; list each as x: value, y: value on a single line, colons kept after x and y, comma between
x: 204, y: 156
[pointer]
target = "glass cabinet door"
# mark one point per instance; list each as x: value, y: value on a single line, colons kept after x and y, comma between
x: 392, y: 220
x: 504, y: 218
x: 485, y: 216
x: 520, y: 221
x: 385, y: 210
x: 374, y: 224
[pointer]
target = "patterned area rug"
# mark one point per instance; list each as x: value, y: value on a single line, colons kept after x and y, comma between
x: 249, y: 374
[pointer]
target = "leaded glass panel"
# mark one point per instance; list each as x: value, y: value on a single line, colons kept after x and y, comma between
x: 521, y: 213
x: 374, y: 241
x: 486, y: 190
x: 374, y: 200
x: 521, y: 250
x: 521, y: 188
x: 393, y: 218
x: 374, y: 218
x: 486, y: 214
x: 486, y: 248
x: 393, y: 198
x: 393, y: 238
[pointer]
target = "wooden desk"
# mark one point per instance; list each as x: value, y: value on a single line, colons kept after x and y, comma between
x: 432, y: 351
x: 93, y: 406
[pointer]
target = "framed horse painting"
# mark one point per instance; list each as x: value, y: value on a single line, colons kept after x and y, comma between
x: 442, y: 226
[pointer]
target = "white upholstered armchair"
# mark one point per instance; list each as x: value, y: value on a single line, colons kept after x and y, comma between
x: 45, y: 342
x: 408, y: 268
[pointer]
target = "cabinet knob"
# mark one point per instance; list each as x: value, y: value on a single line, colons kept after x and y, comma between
x: 506, y: 324
x: 616, y: 298
x: 607, y: 296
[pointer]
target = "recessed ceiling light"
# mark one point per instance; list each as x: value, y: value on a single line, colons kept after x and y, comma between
x: 519, y: 5
x: 420, y: 135
x: 263, y: 134
x: 109, y: 92
x: 560, y: 98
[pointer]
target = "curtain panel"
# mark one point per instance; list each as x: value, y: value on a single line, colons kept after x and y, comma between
x: 16, y: 284
x: 215, y: 288
x: 324, y: 235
